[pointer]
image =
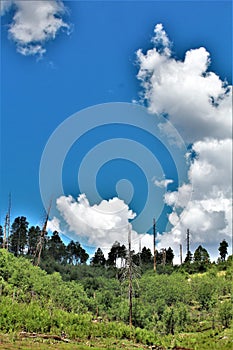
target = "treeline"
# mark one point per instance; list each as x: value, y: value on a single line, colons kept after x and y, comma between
x: 23, y: 240
x: 55, y: 255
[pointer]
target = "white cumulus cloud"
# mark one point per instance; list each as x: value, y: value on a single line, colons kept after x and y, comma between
x: 199, y: 104
x: 101, y: 224
x: 34, y: 23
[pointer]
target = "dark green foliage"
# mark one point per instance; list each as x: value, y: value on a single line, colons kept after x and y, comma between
x: 169, y: 256
x: 223, y: 250
x: 56, y: 249
x: 18, y: 237
x: 146, y: 256
x: 201, y: 259
x: 225, y: 313
x: 116, y: 251
x: 76, y: 254
x: 188, y: 257
x: 33, y: 237
x: 98, y: 258
x: 201, y: 255
x: 1, y: 236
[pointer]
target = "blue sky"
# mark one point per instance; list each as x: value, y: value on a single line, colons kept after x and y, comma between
x: 94, y: 63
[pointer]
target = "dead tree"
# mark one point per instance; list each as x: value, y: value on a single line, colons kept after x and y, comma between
x: 154, y: 243
x: 130, y: 281
x: 40, y: 243
x: 7, y: 225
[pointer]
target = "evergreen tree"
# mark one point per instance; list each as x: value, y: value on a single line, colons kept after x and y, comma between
x: 201, y: 259
x: 83, y: 255
x: 146, y: 256
x: 71, y: 252
x: 159, y: 257
x: 201, y: 255
x: 76, y: 254
x: 223, y: 250
x: 18, y: 237
x: 188, y: 258
x: 1, y: 236
x: 33, y: 238
x: 169, y: 256
x: 113, y: 254
x: 98, y: 259
x: 56, y: 248
x: 117, y: 251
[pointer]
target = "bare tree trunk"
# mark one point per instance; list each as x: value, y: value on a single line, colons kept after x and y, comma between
x: 130, y: 282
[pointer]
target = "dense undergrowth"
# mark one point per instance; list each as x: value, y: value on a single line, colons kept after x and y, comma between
x: 168, y: 309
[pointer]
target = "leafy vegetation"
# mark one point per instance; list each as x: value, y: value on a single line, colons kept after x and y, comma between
x: 188, y: 305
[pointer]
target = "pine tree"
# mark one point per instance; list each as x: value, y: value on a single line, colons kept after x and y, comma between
x: 98, y: 259
x: 188, y: 258
x: 113, y: 254
x: 223, y: 250
x: 18, y: 237
x: 76, y: 254
x: 201, y: 255
x: 56, y: 248
x: 169, y: 256
x: 33, y: 237
x: 146, y: 256
x: 1, y: 236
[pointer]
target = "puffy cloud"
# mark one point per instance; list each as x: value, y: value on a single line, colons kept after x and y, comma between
x: 54, y: 225
x: 99, y: 225
x: 179, y: 198
x: 197, y: 102
x: 199, y: 105
x: 210, y: 173
x: 34, y: 23
x: 209, y: 210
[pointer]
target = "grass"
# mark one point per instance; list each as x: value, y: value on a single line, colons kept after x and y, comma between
x: 206, y: 340
x: 13, y: 342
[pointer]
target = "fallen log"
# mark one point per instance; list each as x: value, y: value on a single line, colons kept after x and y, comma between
x: 43, y: 336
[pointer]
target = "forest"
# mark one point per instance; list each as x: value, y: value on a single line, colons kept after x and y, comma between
x: 86, y: 302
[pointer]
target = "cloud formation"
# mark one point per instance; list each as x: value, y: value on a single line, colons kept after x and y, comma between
x: 199, y: 104
x: 34, y: 23
x: 100, y: 224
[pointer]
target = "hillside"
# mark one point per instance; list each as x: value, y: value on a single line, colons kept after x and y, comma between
x: 169, y: 310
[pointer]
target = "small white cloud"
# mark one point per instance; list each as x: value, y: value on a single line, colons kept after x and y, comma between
x: 163, y: 183
x: 34, y: 23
